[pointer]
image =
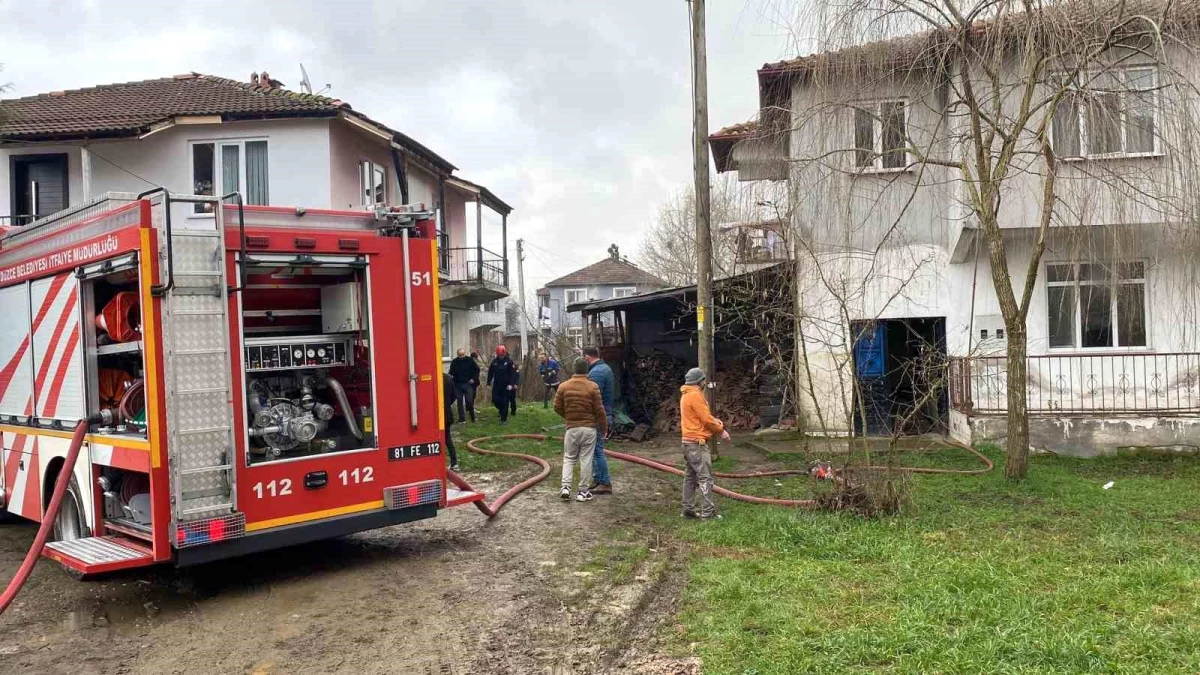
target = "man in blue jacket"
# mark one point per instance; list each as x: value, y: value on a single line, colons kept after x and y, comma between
x: 602, y: 375
x: 548, y: 369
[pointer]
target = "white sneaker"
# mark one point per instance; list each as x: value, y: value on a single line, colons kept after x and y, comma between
x: 584, y: 495
x: 565, y: 493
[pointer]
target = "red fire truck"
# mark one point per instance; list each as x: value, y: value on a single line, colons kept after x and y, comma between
x: 265, y: 376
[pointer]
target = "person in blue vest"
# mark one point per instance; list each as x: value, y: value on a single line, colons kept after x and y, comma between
x: 548, y: 369
x: 602, y: 375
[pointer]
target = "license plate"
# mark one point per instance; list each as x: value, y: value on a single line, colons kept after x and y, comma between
x: 413, y: 451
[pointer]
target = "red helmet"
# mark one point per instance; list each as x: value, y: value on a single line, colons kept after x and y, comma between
x: 501, y: 351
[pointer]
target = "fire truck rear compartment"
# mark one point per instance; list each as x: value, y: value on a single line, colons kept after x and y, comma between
x: 306, y: 360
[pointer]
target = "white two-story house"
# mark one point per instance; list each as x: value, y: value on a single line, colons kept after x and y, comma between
x: 200, y: 134
x: 895, y: 269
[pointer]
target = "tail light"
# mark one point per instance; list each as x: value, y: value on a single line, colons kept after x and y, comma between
x: 413, y: 494
x: 210, y: 530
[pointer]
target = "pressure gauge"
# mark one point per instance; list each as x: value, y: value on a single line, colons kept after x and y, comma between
x: 299, y: 353
x: 321, y: 352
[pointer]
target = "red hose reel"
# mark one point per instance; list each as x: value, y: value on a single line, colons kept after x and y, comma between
x: 121, y: 318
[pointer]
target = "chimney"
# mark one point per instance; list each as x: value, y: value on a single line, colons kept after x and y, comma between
x: 254, y: 79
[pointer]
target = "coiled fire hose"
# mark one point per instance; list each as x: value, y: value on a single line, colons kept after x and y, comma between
x: 490, y: 510
x: 56, y: 498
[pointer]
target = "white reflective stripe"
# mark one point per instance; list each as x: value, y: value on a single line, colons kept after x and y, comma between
x: 101, y: 454
x: 17, y: 501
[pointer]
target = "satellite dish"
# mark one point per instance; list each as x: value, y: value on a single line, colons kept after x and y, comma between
x: 305, y: 83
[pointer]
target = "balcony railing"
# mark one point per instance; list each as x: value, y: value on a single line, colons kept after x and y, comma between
x: 17, y: 220
x: 1160, y: 384
x: 473, y: 265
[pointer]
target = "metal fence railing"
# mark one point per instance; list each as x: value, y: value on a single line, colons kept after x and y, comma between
x: 474, y: 265
x: 1163, y: 384
x: 17, y: 221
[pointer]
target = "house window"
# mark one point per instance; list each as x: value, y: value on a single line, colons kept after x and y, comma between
x: 446, y: 337
x: 490, y: 306
x: 576, y: 295
x: 624, y: 291
x: 231, y: 166
x: 881, y: 136
x: 575, y: 335
x: 1113, y: 114
x: 372, y: 181
x: 1091, y: 305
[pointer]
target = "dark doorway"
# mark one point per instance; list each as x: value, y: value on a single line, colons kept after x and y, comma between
x: 39, y: 186
x: 900, y: 367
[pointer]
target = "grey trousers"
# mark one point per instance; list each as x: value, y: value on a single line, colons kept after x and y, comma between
x: 698, y: 476
x: 578, y: 444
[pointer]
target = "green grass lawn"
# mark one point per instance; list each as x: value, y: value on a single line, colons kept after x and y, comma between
x: 531, y: 418
x: 1051, y: 575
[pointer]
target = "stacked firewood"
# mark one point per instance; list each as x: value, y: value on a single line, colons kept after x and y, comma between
x: 658, y: 377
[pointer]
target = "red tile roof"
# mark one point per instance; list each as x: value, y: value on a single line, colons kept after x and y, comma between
x: 722, y: 141
x: 133, y: 108
x: 610, y: 272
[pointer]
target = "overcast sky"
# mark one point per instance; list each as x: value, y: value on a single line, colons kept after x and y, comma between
x: 576, y: 113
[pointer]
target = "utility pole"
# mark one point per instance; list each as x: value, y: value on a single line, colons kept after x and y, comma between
x: 521, y: 290
x: 704, y: 318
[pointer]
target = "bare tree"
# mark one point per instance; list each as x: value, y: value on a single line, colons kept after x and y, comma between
x: 992, y: 121
x: 668, y: 248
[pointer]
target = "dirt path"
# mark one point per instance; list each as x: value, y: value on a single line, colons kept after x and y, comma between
x: 531, y: 591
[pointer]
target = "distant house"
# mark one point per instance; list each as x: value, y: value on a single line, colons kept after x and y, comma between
x: 613, y: 277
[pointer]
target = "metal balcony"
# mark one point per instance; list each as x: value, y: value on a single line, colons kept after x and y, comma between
x: 472, y: 276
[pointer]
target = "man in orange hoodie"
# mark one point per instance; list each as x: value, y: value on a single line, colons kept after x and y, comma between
x: 698, y: 426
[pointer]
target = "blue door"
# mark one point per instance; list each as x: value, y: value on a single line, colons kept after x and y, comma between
x: 871, y: 417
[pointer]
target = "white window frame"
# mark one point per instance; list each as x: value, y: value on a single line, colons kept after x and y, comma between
x: 1114, y: 309
x: 877, y: 152
x: 567, y: 295
x: 448, y: 319
x: 205, y: 210
x: 1081, y: 108
x: 624, y: 291
x: 575, y: 335
x: 363, y: 165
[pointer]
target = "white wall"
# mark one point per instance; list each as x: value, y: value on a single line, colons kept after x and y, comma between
x: 297, y: 162
x: 74, y: 171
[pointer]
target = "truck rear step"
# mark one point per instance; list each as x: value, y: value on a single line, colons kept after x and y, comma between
x: 95, y: 555
x: 456, y: 497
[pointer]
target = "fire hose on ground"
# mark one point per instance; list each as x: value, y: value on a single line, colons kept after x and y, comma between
x: 490, y: 510
x: 56, y: 498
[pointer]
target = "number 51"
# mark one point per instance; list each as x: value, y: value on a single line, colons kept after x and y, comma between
x: 421, y: 279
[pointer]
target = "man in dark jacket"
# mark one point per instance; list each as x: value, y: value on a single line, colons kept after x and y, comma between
x: 602, y: 375
x: 448, y: 412
x: 465, y: 373
x: 502, y: 376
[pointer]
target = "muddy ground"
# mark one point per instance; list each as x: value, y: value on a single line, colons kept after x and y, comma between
x: 547, y: 587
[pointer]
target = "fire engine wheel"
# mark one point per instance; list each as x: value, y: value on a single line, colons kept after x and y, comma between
x: 68, y: 524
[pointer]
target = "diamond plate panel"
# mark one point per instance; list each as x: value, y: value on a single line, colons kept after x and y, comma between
x: 201, y: 371
x: 208, y: 448
x: 196, y: 253
x: 196, y: 332
x: 196, y: 303
x: 209, y: 487
x: 201, y: 411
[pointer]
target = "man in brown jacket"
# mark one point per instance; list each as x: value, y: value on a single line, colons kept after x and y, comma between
x: 579, y: 403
